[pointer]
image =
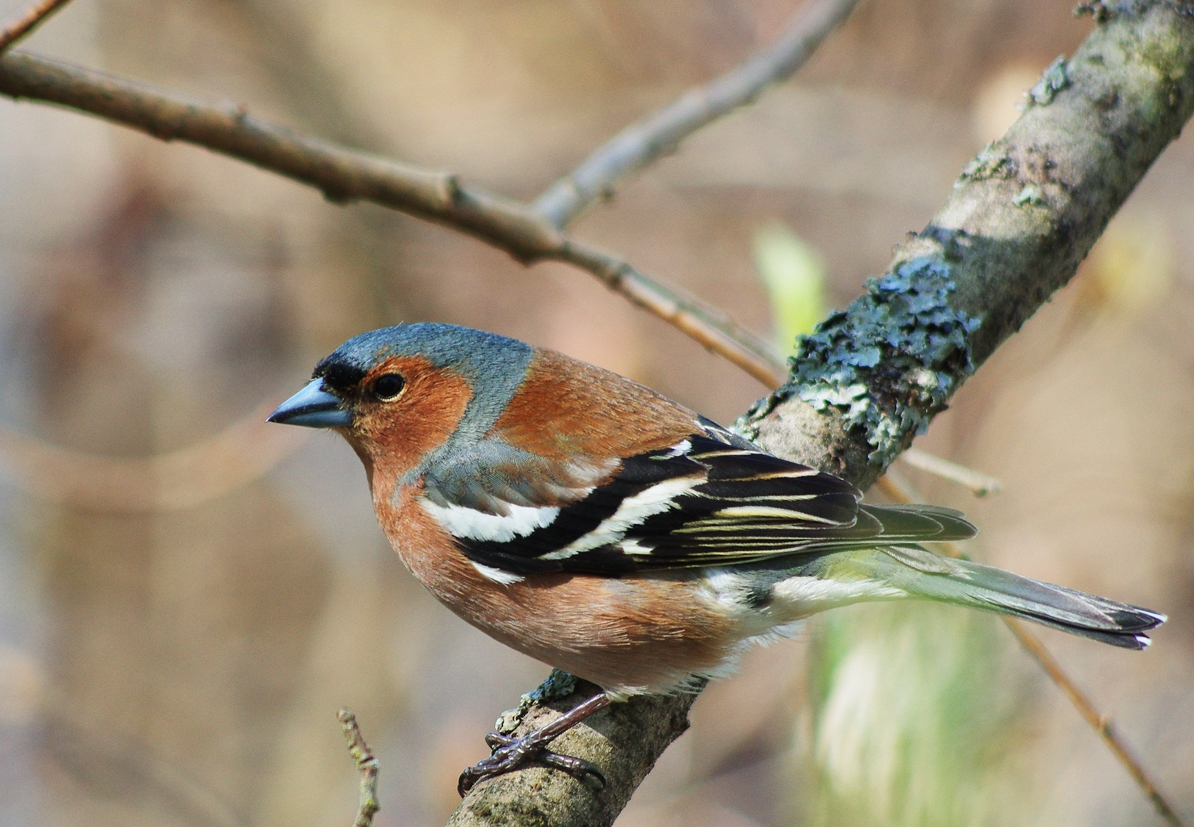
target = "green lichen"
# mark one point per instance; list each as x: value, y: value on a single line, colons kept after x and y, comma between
x: 992, y: 162
x: 1031, y: 194
x: 891, y: 360
x: 559, y: 684
x: 1053, y: 80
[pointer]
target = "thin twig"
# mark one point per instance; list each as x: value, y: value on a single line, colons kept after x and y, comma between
x: 902, y: 491
x: 659, y: 133
x: 345, y: 175
x: 244, y: 451
x: 29, y: 20
x: 708, y: 325
x: 366, y: 763
x: 978, y: 483
x: 1100, y: 723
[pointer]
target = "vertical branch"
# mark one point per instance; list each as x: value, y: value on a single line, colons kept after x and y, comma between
x: 366, y: 763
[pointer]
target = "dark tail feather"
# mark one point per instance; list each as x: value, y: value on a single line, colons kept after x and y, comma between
x: 982, y: 587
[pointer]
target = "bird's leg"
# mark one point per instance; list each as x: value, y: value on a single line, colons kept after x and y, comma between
x: 511, y: 753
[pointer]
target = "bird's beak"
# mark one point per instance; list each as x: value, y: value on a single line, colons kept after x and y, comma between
x: 313, y: 407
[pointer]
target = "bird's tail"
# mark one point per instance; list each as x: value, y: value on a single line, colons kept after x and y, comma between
x: 922, y: 574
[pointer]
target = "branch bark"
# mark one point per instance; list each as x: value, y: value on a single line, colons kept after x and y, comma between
x: 345, y: 175
x: 29, y: 20
x: 641, y: 143
x: 1019, y: 220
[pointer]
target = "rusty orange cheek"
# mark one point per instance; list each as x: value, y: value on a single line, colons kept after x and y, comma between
x: 397, y: 435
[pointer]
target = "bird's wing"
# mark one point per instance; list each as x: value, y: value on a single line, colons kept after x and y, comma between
x: 712, y: 499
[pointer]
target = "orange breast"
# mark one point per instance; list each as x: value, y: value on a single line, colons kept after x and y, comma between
x: 629, y: 634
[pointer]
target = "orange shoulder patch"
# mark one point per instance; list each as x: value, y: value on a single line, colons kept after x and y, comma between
x: 567, y: 407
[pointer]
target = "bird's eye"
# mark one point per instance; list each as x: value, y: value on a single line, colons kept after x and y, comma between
x: 388, y: 386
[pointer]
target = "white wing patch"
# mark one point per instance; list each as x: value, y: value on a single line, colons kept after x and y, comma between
x: 506, y: 578
x: 470, y: 524
x: 679, y: 449
x: 632, y: 511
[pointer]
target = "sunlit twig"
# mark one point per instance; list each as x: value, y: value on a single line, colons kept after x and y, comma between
x: 645, y: 141
x: 345, y: 175
x: 27, y: 21
x: 978, y: 483
x: 903, y: 491
x: 368, y: 765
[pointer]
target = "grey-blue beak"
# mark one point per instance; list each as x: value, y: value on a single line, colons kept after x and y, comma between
x: 313, y: 407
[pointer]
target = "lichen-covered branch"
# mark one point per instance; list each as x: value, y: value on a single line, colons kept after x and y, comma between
x: 641, y: 143
x: 1015, y: 227
x: 1019, y: 220
x: 345, y: 175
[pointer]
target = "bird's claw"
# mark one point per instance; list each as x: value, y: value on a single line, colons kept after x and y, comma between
x: 510, y: 753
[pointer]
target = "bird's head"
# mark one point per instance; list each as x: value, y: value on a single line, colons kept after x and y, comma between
x: 402, y: 394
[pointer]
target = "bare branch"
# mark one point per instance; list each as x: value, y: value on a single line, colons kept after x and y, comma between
x: 29, y: 20
x: 345, y: 175
x: 191, y: 476
x: 1100, y: 722
x: 901, y: 491
x: 706, y: 324
x: 979, y: 484
x: 366, y: 763
x: 659, y: 133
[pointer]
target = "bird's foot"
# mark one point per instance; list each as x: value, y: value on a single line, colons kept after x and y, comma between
x: 510, y: 753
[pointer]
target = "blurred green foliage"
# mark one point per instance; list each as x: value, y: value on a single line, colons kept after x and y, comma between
x: 794, y: 274
x: 915, y: 717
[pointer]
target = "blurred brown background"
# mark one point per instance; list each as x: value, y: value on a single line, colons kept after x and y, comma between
x: 184, y: 666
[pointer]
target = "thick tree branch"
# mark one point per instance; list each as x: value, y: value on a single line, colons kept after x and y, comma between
x: 641, y: 143
x: 345, y: 175
x: 1019, y: 220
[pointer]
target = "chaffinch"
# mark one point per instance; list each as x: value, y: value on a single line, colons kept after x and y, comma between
x: 589, y: 522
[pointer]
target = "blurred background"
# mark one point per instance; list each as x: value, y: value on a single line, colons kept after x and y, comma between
x: 187, y: 597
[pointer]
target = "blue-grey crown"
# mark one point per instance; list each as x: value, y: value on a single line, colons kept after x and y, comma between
x: 471, y: 353
x: 494, y: 366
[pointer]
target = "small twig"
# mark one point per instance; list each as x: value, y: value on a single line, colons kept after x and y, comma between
x: 706, y: 324
x: 345, y: 175
x: 978, y: 483
x: 367, y: 764
x: 244, y: 451
x: 1100, y: 723
x: 903, y: 491
x: 32, y: 17
x: 659, y: 133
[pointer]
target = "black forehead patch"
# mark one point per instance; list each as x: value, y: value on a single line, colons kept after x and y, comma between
x: 338, y: 375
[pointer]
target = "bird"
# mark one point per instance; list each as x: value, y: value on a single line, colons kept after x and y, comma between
x: 591, y: 523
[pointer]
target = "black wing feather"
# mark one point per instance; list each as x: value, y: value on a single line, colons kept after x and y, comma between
x: 743, y: 506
